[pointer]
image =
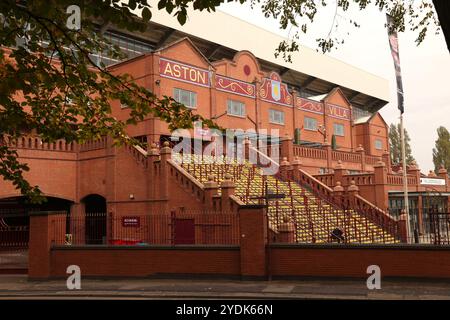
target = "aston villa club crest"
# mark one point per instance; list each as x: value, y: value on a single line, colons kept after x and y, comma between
x: 276, y: 90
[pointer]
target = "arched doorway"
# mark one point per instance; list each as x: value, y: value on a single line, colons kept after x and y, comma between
x: 95, y: 219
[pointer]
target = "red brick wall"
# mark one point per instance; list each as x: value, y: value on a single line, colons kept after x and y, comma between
x: 250, y: 259
x: 231, y: 121
x: 344, y: 143
x: 73, y: 175
x: 45, y: 229
x: 253, y: 238
x: 367, y: 133
x: 53, y: 171
x: 309, y: 135
x: 141, y: 262
x: 378, y: 130
x: 346, y: 261
x: 285, y: 261
x: 286, y: 129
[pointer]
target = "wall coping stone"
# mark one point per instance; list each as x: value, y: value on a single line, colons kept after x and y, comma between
x: 393, y: 246
x: 46, y: 213
x: 147, y: 247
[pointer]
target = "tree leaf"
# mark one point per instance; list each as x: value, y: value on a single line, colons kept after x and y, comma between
x: 146, y: 14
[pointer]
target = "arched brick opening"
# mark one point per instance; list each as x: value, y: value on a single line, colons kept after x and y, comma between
x: 95, y: 219
x: 15, y: 228
x: 17, y: 208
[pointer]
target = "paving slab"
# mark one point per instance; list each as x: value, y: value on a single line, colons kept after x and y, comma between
x: 19, y: 286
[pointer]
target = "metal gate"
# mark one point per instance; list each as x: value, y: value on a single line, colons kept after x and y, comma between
x: 14, y: 236
x: 184, y: 231
x: 439, y: 228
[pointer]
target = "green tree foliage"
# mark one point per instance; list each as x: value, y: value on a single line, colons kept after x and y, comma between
x: 65, y: 93
x: 441, y: 151
x: 396, y: 146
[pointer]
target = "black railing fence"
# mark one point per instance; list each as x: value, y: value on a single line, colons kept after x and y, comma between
x: 172, y: 228
x: 14, y: 230
x: 435, y: 229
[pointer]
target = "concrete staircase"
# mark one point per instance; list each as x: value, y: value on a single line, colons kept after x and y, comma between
x: 314, y: 218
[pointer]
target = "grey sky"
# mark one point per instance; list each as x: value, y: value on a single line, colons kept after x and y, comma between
x: 425, y: 68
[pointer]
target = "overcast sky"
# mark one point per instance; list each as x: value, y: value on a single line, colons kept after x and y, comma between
x: 425, y: 68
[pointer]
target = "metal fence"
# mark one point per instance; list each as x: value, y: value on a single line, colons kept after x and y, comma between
x: 172, y: 228
x: 14, y: 238
x: 14, y: 235
x: 14, y: 230
x: 435, y: 230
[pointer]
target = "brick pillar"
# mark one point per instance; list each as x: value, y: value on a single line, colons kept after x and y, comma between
x: 153, y: 156
x: 338, y: 193
x: 286, y: 231
x: 352, y: 192
x: 296, y: 165
x: 403, y: 228
x: 46, y: 228
x: 284, y: 168
x: 327, y: 148
x: 442, y: 173
x: 110, y: 177
x: 257, y: 83
x: 414, y: 171
x: 253, y: 230
x: 295, y: 113
x: 166, y: 153
x: 380, y: 179
x: 211, y: 187
x: 212, y: 94
x: 448, y: 203
x: 77, y: 223
x: 287, y: 148
x: 386, y: 158
x: 227, y: 188
x: 247, y: 145
x: 360, y: 150
x: 339, y: 172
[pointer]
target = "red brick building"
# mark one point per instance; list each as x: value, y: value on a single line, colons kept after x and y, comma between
x: 330, y: 133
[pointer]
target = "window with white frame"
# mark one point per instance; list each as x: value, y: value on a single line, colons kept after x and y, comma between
x: 378, y: 144
x: 338, y: 129
x: 276, y: 116
x: 310, y: 124
x: 188, y: 98
x: 235, y: 108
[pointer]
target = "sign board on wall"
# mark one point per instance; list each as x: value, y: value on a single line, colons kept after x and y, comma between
x: 275, y: 91
x: 432, y: 181
x: 184, y: 72
x: 337, y: 112
x: 309, y: 105
x: 131, y: 221
x: 235, y: 86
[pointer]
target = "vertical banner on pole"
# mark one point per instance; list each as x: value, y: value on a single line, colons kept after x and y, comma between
x: 393, y: 43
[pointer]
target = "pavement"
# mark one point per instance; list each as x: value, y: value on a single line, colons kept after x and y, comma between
x: 19, y: 287
x: 15, y: 259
